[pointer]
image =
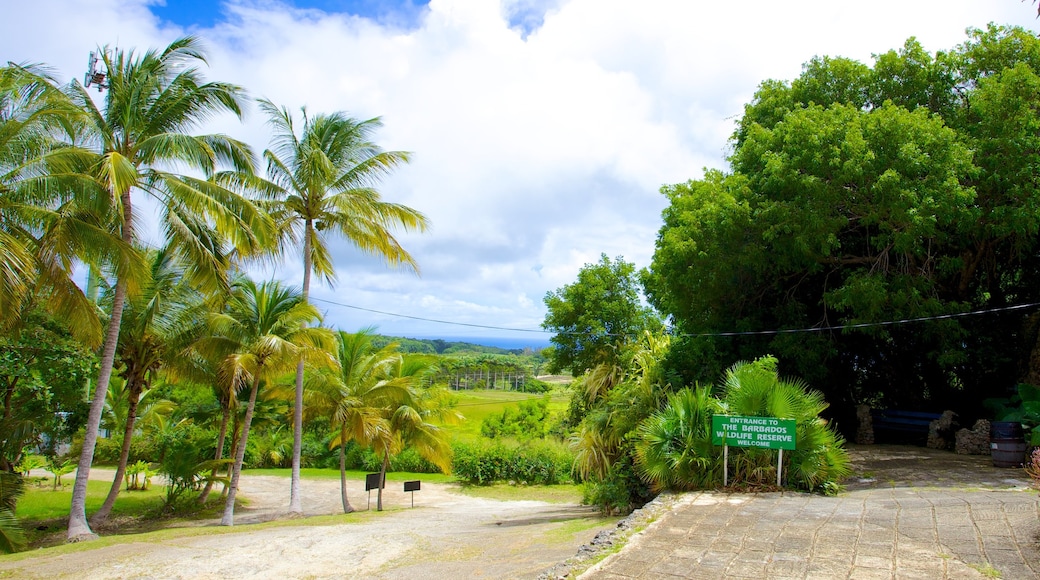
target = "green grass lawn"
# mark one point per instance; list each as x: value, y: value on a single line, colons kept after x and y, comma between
x: 41, y: 503
x: 475, y: 405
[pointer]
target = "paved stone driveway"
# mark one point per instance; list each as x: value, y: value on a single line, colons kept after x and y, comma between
x: 909, y: 513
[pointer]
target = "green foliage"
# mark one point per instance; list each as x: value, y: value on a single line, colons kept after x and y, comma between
x: 673, y: 446
x: 530, y: 419
x: 595, y: 316
x: 43, y: 374
x: 620, y: 490
x: 187, y: 462
x: 12, y: 536
x: 1022, y: 407
x: 139, y: 475
x: 674, y: 449
x: 59, y: 467
x: 866, y: 194
x: 532, y: 463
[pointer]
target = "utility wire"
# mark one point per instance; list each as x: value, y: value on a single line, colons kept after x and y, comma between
x: 429, y: 319
x: 862, y: 324
x: 713, y: 334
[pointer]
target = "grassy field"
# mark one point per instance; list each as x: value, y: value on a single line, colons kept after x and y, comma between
x: 475, y: 405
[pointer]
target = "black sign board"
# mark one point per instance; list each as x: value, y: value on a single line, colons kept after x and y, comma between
x: 411, y: 485
x: 372, y: 482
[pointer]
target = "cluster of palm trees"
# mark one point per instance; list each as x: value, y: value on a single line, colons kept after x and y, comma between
x: 73, y: 174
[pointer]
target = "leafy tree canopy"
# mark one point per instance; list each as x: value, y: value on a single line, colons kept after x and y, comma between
x: 867, y: 194
x: 596, y: 315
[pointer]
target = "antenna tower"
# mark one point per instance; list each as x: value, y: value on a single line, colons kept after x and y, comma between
x: 94, y: 76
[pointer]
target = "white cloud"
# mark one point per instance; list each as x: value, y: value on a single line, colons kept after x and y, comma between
x: 541, y: 129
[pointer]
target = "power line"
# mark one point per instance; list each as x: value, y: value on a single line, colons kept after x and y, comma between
x: 862, y: 324
x: 711, y: 334
x: 420, y: 318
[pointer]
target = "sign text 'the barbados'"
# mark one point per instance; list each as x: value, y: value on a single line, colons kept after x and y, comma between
x: 762, y: 432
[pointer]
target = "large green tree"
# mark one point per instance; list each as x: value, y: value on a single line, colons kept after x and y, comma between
x: 864, y: 195
x: 141, y: 137
x: 595, y: 316
x: 324, y: 177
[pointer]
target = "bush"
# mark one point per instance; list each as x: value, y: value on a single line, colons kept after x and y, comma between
x: 621, y: 491
x: 530, y: 419
x: 533, y: 385
x: 535, y: 463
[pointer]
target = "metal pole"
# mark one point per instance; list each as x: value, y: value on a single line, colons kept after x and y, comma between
x: 725, y: 465
x: 779, y: 466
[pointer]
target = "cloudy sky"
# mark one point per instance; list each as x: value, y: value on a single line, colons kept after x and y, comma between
x: 541, y: 130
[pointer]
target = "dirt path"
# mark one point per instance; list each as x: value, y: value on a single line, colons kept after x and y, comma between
x: 446, y: 535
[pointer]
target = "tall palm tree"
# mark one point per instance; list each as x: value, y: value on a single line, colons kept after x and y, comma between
x: 324, y: 182
x: 412, y: 417
x: 152, y: 102
x: 354, y: 397
x: 264, y: 327
x: 158, y: 322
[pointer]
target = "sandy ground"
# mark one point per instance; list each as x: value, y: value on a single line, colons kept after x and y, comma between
x: 446, y: 535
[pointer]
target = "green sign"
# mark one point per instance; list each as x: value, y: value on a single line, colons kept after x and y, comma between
x: 764, y: 432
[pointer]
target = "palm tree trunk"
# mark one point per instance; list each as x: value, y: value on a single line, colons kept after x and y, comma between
x: 240, y: 455
x: 347, y: 508
x: 221, y: 436
x: 79, y: 529
x: 382, y: 480
x: 236, y: 428
x: 295, y: 503
x: 133, y: 397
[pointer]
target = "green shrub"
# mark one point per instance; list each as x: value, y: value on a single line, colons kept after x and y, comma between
x: 530, y: 419
x: 674, y: 449
x: 534, y: 463
x: 533, y: 385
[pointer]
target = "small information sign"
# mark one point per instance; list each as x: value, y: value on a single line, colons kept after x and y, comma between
x: 762, y: 432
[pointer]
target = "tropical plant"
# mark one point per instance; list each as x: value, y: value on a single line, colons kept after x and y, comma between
x: 353, y: 396
x: 49, y: 215
x: 754, y: 388
x: 674, y: 448
x: 59, y: 467
x: 263, y: 327
x: 152, y: 102
x: 139, y: 475
x: 414, y: 419
x: 12, y: 536
x: 158, y: 322
x: 324, y: 181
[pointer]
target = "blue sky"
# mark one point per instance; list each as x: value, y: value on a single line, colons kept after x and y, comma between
x: 540, y: 130
x: 204, y: 14
x: 524, y: 16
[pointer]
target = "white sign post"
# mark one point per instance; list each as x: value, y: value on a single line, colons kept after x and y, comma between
x: 761, y: 432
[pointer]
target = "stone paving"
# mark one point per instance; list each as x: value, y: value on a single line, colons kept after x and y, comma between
x: 908, y: 514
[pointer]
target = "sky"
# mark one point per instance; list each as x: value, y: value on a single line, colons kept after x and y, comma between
x: 541, y: 131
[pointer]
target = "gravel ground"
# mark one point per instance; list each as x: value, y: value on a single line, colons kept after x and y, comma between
x: 446, y: 535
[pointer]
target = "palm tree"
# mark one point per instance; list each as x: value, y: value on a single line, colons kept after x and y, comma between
x: 264, y: 327
x: 49, y: 211
x: 353, y: 398
x: 410, y: 418
x: 158, y: 322
x: 324, y: 181
x: 152, y: 102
